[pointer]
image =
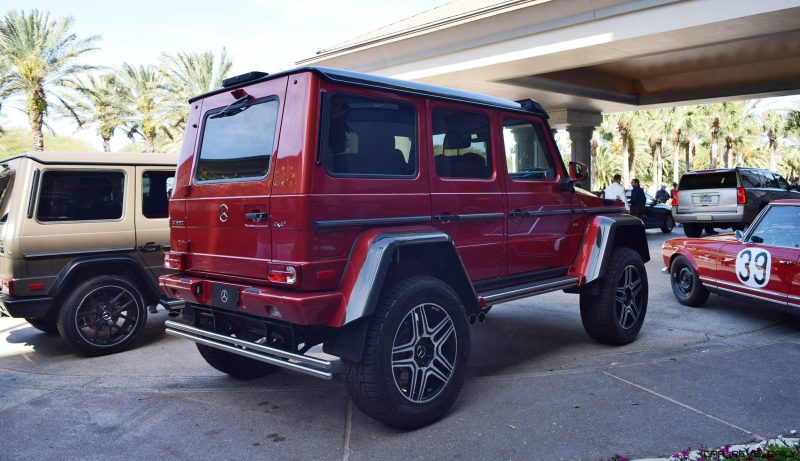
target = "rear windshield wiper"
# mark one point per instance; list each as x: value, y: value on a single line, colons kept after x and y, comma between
x: 234, y: 107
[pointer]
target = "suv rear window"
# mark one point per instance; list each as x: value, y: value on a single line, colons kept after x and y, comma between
x: 80, y: 196
x: 370, y: 137
x: 238, y: 145
x: 720, y: 180
x: 156, y: 189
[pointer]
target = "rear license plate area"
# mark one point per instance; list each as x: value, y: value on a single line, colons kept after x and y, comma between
x: 224, y: 296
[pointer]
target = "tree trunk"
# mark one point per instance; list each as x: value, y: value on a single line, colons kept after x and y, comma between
x: 35, y: 106
x: 689, y: 156
x: 773, y: 154
x: 150, y: 144
x: 626, y: 172
x: 106, y: 144
x: 676, y: 154
x: 593, y: 165
x: 660, y: 166
x: 714, y: 152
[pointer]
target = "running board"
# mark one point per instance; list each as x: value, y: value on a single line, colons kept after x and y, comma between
x: 502, y: 295
x: 284, y: 359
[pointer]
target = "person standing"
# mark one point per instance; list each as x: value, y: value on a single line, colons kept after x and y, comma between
x: 662, y: 195
x: 615, y: 191
x: 638, y: 199
x: 673, y: 193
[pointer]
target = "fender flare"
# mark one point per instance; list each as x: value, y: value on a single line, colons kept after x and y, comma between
x: 129, y: 263
x: 603, y: 234
x: 371, y: 257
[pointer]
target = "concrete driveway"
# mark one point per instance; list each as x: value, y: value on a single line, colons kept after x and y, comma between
x: 538, y: 388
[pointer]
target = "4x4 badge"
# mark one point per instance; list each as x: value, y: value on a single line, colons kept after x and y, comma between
x: 223, y: 213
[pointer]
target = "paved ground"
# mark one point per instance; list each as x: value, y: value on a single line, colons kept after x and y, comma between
x: 538, y: 388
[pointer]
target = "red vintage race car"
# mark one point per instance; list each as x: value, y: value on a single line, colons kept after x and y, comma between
x: 761, y: 263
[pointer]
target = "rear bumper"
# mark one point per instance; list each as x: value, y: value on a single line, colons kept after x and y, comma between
x: 299, y: 308
x: 25, y: 307
x: 710, y: 217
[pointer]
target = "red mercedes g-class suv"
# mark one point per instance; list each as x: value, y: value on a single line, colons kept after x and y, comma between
x: 380, y: 218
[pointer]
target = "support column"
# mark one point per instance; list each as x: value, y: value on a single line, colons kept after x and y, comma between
x: 580, y: 125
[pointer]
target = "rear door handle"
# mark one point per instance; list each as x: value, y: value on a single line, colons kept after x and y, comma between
x: 445, y: 217
x: 256, y: 216
x: 150, y: 247
x: 517, y: 214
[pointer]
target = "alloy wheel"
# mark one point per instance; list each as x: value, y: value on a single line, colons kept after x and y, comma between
x: 107, y: 315
x: 628, y: 297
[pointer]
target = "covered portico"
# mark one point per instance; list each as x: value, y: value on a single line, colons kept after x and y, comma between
x: 580, y: 58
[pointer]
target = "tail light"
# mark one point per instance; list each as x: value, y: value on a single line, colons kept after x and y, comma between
x: 741, y: 197
x: 675, y: 198
x: 7, y: 287
x: 175, y: 260
x: 283, y: 274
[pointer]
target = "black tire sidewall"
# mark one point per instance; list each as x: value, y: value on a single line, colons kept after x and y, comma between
x: 234, y: 365
x: 669, y: 224
x: 66, y: 318
x: 397, y: 411
x: 698, y: 294
x: 692, y: 230
x: 599, y: 313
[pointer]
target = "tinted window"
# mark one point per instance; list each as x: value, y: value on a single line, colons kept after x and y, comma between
x: 6, y: 184
x: 708, y: 180
x: 770, y: 180
x: 156, y: 189
x: 370, y: 137
x: 526, y: 155
x: 779, y: 227
x: 752, y: 179
x: 80, y: 196
x: 238, y: 144
x: 461, y: 146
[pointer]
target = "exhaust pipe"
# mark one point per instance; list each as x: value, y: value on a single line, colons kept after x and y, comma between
x: 481, y: 318
x: 473, y: 319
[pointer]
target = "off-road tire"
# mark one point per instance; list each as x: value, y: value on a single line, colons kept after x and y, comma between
x: 603, y: 314
x: 374, y: 382
x: 235, y: 365
x: 93, y: 302
x: 49, y: 326
x: 692, y: 230
x: 669, y: 224
x: 686, y: 284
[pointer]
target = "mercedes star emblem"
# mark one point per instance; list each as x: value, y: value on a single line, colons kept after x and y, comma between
x: 223, y: 213
x: 224, y: 296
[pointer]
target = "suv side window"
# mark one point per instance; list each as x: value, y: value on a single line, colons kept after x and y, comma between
x: 80, y: 196
x: 527, y: 158
x: 370, y: 137
x: 751, y: 179
x: 237, y: 144
x: 156, y: 189
x: 461, y: 146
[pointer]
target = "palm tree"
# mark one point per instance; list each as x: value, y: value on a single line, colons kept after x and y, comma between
x: 773, y: 125
x: 674, y: 124
x: 101, y: 101
x: 42, y: 54
x: 715, y: 130
x: 146, y: 99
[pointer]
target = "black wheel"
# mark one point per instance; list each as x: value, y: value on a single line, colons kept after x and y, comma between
x: 235, y: 365
x: 48, y: 326
x: 103, y: 315
x: 686, y: 284
x: 669, y: 224
x: 692, y: 230
x: 615, y: 314
x: 415, y: 355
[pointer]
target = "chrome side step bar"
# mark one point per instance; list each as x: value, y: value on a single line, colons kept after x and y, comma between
x: 529, y: 289
x: 297, y: 362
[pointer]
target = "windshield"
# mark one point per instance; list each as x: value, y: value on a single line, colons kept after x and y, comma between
x: 6, y: 184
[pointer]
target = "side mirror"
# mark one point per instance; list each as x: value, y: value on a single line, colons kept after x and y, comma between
x: 739, y: 235
x: 577, y: 171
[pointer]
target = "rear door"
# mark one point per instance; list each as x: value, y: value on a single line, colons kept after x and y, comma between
x: 227, y: 205
x: 713, y: 192
x: 153, y: 188
x: 466, y: 189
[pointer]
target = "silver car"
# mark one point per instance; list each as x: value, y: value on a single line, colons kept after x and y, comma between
x: 726, y: 198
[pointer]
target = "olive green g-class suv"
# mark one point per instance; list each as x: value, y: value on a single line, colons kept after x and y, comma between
x: 81, y: 244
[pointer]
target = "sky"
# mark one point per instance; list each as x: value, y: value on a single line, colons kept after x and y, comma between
x: 265, y: 35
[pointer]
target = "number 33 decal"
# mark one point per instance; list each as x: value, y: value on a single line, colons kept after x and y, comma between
x: 753, y: 267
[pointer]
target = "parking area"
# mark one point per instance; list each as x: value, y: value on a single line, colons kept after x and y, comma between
x: 538, y: 388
